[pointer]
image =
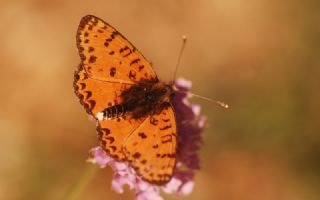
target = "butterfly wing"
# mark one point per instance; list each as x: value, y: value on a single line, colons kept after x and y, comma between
x: 106, y: 55
x: 151, y: 148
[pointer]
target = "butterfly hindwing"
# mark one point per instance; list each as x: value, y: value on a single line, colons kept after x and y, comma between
x: 151, y: 148
x: 112, y: 134
x: 108, y: 56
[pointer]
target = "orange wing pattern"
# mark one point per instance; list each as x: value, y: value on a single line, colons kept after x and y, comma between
x: 151, y: 148
x: 108, y: 56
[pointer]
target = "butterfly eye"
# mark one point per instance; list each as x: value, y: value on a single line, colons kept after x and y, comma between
x: 148, y: 96
x: 172, y: 95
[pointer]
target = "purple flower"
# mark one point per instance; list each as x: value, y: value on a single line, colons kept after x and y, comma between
x: 190, y: 126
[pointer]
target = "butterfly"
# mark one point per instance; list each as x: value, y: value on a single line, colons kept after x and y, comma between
x: 118, y: 87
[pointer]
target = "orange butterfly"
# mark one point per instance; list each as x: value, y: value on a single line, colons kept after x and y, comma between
x: 118, y: 87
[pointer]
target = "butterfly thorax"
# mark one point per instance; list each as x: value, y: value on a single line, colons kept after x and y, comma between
x: 147, y: 97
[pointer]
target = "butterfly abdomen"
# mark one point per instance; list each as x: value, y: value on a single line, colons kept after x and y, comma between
x: 113, y: 112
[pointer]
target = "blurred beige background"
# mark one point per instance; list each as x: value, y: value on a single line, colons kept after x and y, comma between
x: 262, y: 57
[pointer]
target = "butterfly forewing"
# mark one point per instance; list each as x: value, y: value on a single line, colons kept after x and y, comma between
x: 108, y: 56
x: 151, y: 148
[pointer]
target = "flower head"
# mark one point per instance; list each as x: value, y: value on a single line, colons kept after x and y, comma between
x: 190, y: 126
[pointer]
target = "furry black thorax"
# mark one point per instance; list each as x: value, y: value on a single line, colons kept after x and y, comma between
x: 147, y: 97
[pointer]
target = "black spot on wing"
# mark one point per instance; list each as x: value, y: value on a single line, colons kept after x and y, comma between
x: 135, y: 61
x: 136, y: 155
x: 166, y: 127
x: 92, y: 59
x: 111, y: 139
x: 142, y: 135
x: 91, y: 49
x: 154, y: 121
x: 132, y: 75
x: 113, y: 71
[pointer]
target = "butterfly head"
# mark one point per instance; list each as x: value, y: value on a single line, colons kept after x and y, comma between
x: 162, y: 92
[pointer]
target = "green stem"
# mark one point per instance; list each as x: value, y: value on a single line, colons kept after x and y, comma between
x: 81, y: 183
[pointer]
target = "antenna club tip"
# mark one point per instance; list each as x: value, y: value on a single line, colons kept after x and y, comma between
x: 184, y: 38
x: 222, y: 104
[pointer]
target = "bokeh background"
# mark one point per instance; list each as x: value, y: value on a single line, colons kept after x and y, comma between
x: 262, y: 57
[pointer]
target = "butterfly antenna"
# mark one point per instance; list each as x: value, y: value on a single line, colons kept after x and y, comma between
x: 184, y: 41
x: 219, y: 103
